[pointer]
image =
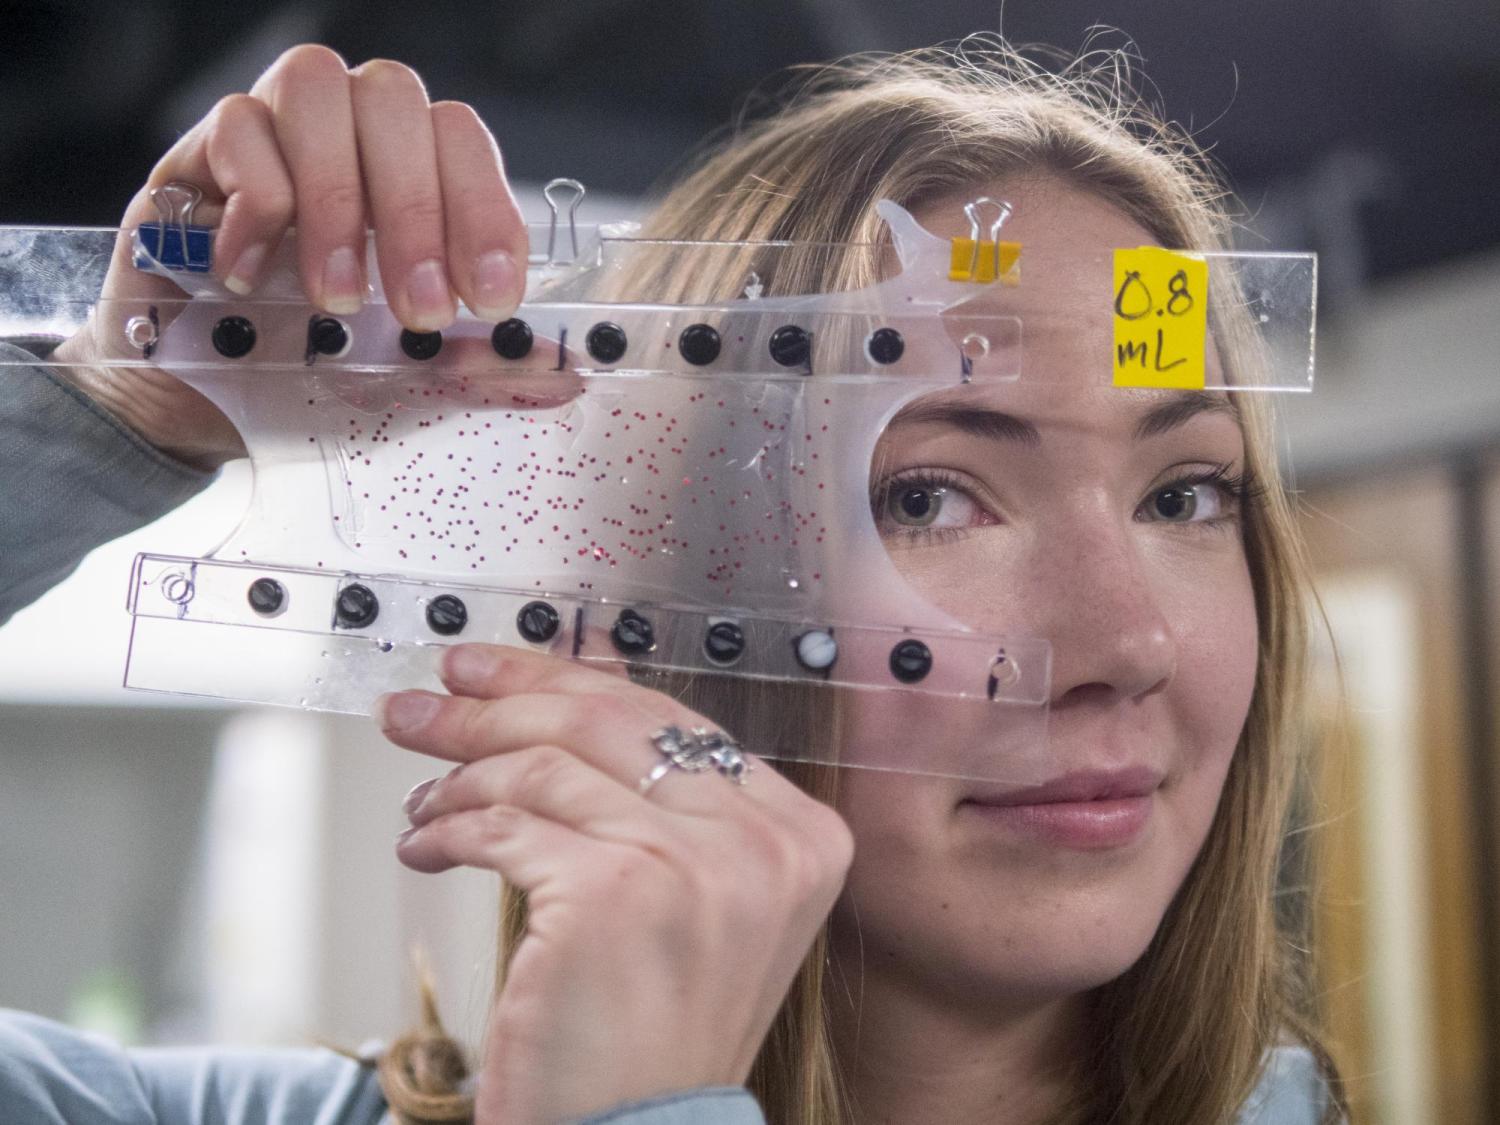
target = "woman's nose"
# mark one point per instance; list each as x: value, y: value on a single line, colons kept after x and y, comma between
x: 1101, y: 608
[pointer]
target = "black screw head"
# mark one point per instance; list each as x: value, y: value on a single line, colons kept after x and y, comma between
x: 266, y: 596
x: 421, y: 345
x: 233, y: 337
x: 632, y: 633
x: 537, y: 621
x: 791, y: 346
x: 356, y: 606
x: 326, y: 336
x: 885, y: 345
x: 512, y: 339
x: 911, y: 660
x: 699, y: 344
x: 606, y: 341
x: 447, y: 615
x: 724, y: 642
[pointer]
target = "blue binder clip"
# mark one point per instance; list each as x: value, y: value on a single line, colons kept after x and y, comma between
x: 174, y: 243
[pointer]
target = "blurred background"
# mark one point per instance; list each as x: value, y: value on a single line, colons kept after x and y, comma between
x: 175, y: 871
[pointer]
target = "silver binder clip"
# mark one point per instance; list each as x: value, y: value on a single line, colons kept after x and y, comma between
x: 548, y: 193
x: 174, y: 203
x: 192, y: 248
x: 971, y: 209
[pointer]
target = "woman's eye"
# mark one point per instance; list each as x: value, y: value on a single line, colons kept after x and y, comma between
x: 925, y: 505
x: 1189, y: 502
x: 916, y: 505
x: 1177, y: 503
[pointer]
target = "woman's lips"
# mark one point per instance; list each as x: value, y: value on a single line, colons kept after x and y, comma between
x: 1087, y: 810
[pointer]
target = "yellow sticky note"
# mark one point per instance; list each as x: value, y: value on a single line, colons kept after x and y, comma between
x: 1161, y: 318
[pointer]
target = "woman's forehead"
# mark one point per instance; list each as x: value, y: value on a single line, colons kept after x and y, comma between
x: 1032, y: 416
x: 1058, y: 217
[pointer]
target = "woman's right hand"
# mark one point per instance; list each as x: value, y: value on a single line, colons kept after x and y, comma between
x: 334, y: 152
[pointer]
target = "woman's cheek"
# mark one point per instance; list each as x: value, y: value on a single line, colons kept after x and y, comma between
x: 1218, y: 651
x: 1209, y: 700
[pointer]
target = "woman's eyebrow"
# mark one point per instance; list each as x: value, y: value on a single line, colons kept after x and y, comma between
x: 979, y: 421
x: 987, y: 422
x: 1179, y: 408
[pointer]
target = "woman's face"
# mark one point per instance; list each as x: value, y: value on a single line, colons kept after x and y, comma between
x: 1080, y: 530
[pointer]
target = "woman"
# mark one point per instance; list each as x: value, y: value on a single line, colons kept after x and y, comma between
x: 852, y: 945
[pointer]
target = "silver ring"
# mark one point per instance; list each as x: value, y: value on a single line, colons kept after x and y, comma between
x: 698, y: 750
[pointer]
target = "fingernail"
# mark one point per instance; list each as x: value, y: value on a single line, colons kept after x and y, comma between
x: 427, y: 290
x: 404, y: 710
x: 495, y: 295
x: 246, y: 269
x: 341, y: 282
x: 469, y: 664
x: 406, y: 834
x: 414, y: 798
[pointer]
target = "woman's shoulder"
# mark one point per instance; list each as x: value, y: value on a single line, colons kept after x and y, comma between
x: 1291, y: 1090
x: 51, y: 1074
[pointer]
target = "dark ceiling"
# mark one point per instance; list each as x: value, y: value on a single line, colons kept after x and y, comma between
x: 1366, y: 131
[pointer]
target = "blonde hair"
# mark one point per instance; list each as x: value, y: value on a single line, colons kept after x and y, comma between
x: 1182, y: 1036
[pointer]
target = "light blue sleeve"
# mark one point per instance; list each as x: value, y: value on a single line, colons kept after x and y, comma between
x: 72, y: 476
x: 1291, y: 1091
x: 710, y: 1105
x: 51, y: 1074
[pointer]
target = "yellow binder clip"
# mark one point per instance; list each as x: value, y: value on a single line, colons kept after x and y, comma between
x: 985, y: 260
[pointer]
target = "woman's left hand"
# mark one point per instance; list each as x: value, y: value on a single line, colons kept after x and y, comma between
x: 664, y: 929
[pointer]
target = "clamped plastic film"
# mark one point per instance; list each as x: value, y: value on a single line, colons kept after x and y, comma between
x: 666, y: 453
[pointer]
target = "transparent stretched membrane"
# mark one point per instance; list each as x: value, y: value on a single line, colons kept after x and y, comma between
x: 700, y: 463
